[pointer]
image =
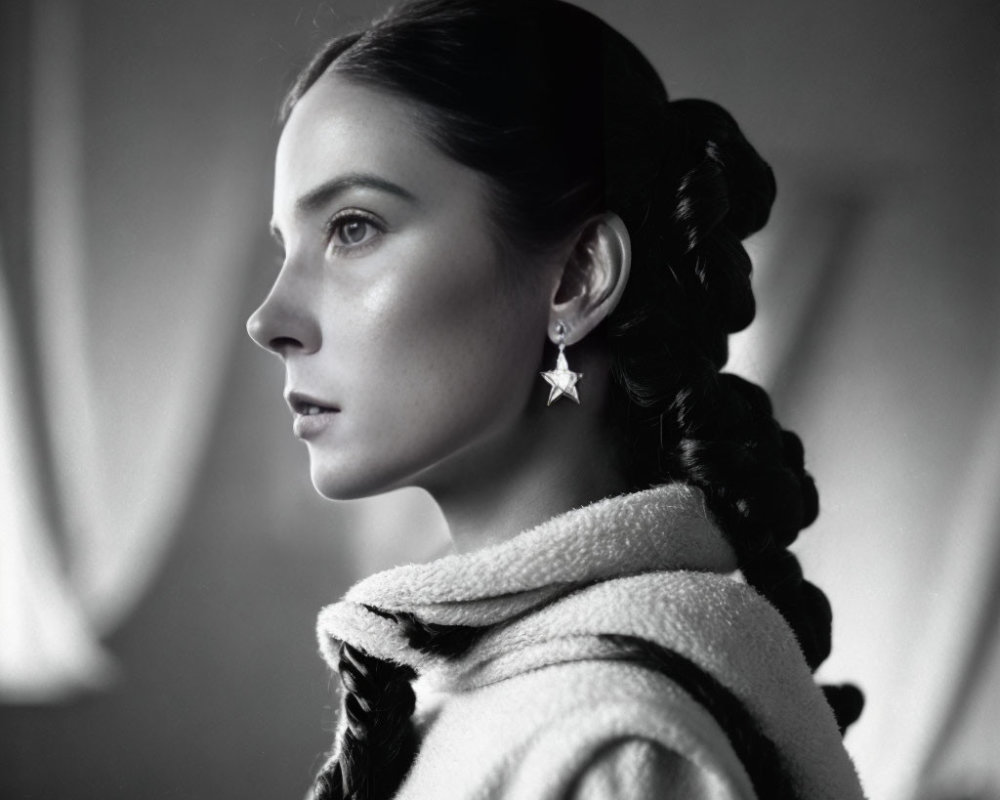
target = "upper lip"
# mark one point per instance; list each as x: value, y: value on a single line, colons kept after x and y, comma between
x: 300, y: 401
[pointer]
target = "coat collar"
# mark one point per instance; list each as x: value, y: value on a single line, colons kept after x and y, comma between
x: 650, y: 565
x: 663, y: 528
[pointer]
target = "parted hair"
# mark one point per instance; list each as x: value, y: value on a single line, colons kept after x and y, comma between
x: 568, y: 120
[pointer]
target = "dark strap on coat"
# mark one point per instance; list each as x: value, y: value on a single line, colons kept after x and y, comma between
x: 758, y: 754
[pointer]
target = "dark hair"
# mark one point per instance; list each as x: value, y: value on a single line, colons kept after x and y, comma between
x: 568, y: 120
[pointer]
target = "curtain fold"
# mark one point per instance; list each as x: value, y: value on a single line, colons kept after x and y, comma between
x: 47, y: 648
x: 135, y: 322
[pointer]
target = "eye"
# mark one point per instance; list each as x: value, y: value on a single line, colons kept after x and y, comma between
x: 351, y: 229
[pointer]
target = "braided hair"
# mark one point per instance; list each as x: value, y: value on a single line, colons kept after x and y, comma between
x: 568, y: 120
x: 378, y: 743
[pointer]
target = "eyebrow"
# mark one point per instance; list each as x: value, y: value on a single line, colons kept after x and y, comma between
x: 322, y: 195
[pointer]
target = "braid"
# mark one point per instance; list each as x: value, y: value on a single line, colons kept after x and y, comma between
x: 378, y: 742
x: 737, y: 457
x: 685, y: 420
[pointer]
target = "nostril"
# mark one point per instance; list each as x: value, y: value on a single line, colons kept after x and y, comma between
x: 282, y: 344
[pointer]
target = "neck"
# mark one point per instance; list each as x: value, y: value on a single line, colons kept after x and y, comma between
x: 555, y: 459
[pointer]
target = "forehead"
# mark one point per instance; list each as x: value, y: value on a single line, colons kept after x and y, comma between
x: 342, y: 127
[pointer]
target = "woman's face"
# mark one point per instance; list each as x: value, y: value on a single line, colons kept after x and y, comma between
x: 409, y: 357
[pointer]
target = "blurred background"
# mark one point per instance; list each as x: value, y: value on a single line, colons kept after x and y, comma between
x: 162, y: 554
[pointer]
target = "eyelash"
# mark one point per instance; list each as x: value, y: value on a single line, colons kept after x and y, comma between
x: 339, y: 221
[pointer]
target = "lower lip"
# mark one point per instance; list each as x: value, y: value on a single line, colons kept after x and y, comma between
x: 306, y: 426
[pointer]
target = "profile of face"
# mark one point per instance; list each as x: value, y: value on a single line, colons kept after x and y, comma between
x: 410, y: 354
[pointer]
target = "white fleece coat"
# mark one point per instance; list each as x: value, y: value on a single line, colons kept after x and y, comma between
x: 534, y: 709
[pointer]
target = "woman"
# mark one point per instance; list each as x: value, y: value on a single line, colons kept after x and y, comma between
x: 470, y: 193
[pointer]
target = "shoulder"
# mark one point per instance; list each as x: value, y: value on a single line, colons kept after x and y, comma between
x: 730, y: 633
x: 614, y: 722
x: 535, y: 704
x: 576, y: 728
x: 645, y: 769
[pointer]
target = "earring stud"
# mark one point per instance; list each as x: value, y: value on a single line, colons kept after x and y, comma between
x: 562, y: 379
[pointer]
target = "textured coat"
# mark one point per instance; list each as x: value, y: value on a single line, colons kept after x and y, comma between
x: 538, y: 708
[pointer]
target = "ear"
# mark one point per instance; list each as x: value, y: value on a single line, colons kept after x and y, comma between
x: 593, y: 278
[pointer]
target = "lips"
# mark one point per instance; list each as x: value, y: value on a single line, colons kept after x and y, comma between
x: 306, y: 406
x: 309, y: 410
x: 312, y: 415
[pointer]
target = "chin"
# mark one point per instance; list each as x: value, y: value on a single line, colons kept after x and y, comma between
x: 343, y: 486
x: 355, y: 482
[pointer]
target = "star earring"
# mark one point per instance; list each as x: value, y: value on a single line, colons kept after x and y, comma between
x: 562, y: 379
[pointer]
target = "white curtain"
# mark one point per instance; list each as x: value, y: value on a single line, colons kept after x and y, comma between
x: 47, y: 648
x: 134, y: 326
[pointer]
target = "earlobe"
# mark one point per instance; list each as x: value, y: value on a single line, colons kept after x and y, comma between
x: 593, y: 278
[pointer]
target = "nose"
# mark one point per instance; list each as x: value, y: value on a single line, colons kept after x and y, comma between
x: 285, y: 322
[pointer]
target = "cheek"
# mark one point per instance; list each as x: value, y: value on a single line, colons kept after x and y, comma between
x: 446, y: 344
